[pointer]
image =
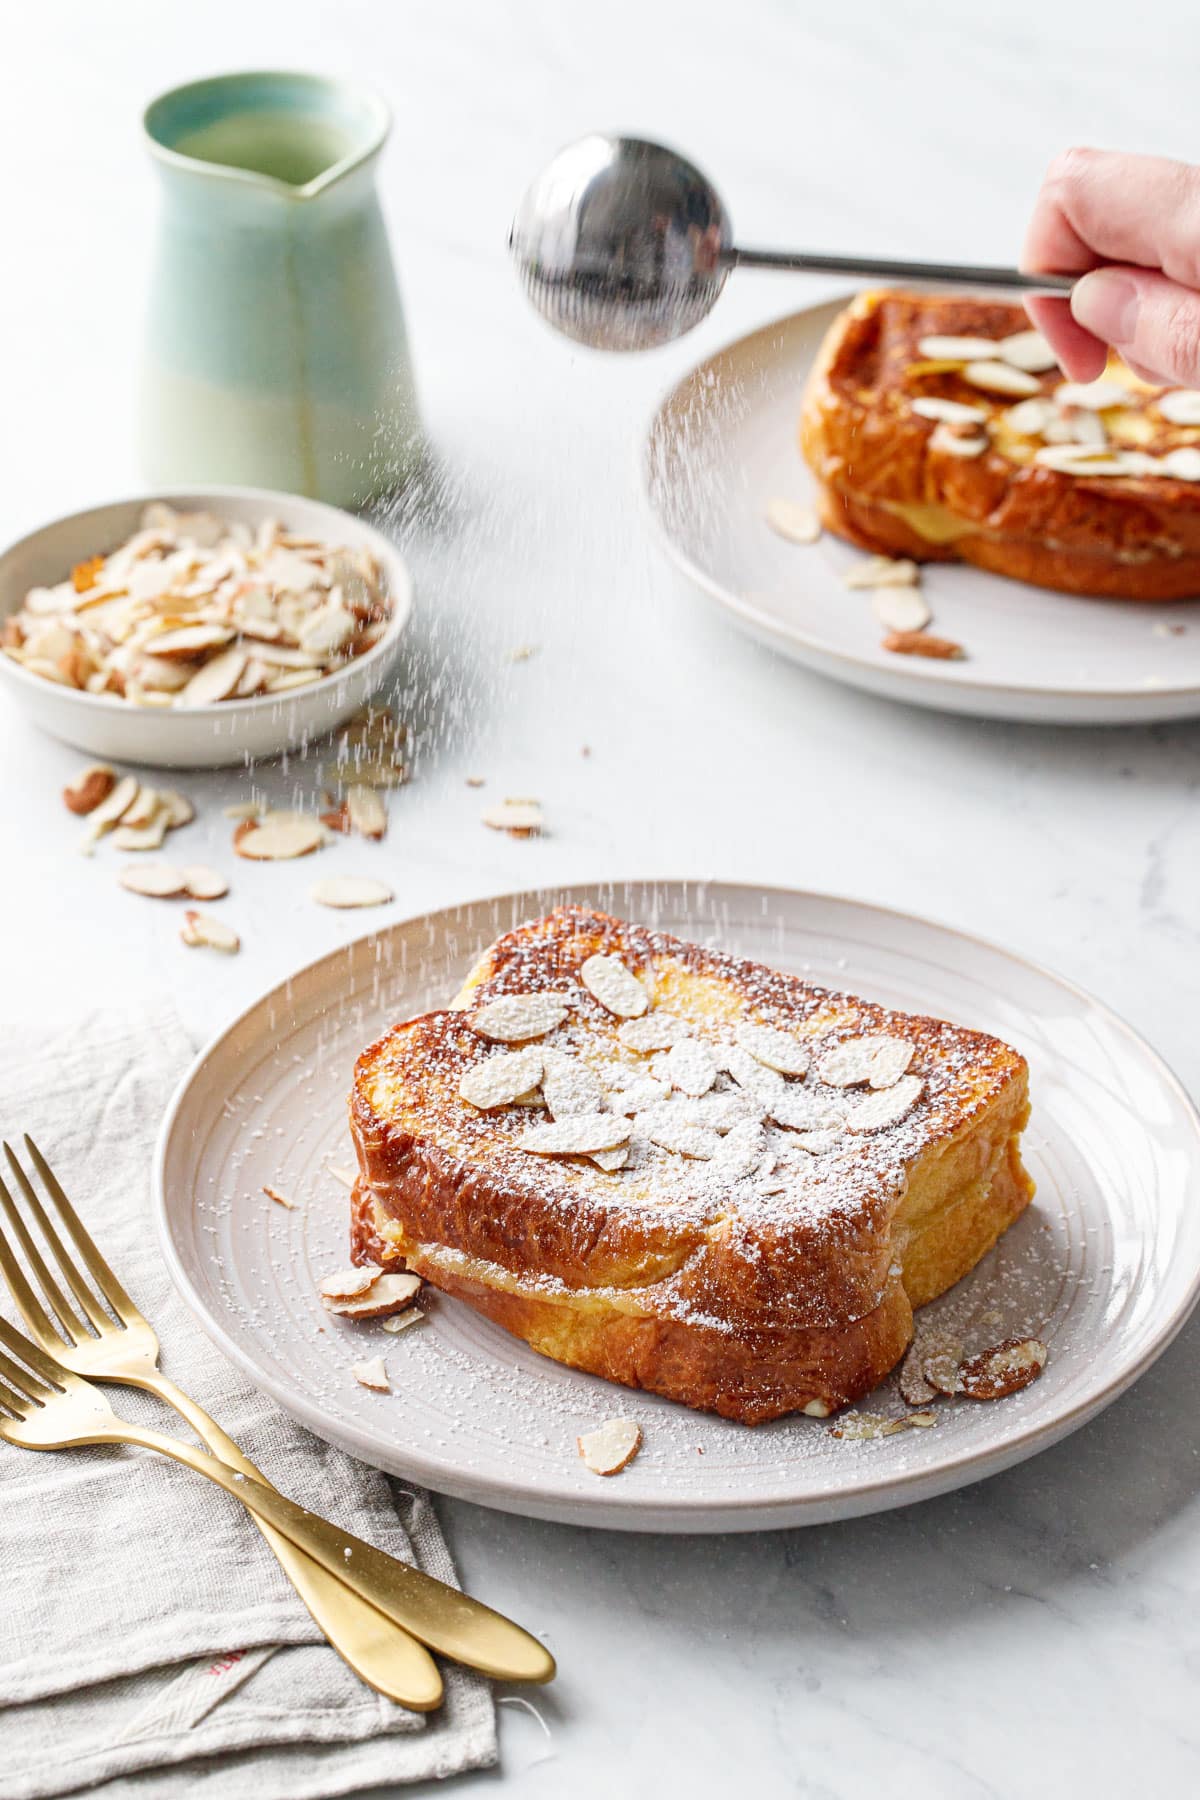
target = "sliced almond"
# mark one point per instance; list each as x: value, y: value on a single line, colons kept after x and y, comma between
x: 351, y: 890
x: 1029, y: 418
x: 514, y: 1017
x: 877, y: 1060
x: 640, y: 1095
x: 267, y: 842
x: 202, y: 931
x: 882, y: 571
x: 955, y: 440
x: 681, y: 1136
x: 804, y: 1109
x: 388, y: 774
x: 652, y: 1031
x: 372, y: 1375
x: 956, y: 349
x: 187, y: 641
x: 688, y: 1065
x: 520, y: 818
x: 1003, y: 1370
x: 886, y: 1107
x: 141, y: 837
x: 1180, y: 407
x: 1027, y: 350
x: 204, y: 884
x: 274, y: 1194
x: 1092, y: 396
x: 578, y: 1134
x: 287, y: 679
x: 794, y: 521
x: 773, y: 1048
x: 216, y: 680
x: 177, y: 808
x: 611, y: 1447
x: 949, y: 412
x: 349, y: 1284
x: 1182, y: 464
x: 915, y: 1387
x: 569, y: 1085
x: 144, y: 809
x: 1001, y: 378
x: 741, y: 1151
x: 245, y: 809
x: 940, y: 1368
x: 923, y: 643
x: 348, y: 1177
x: 616, y: 988
x: 157, y: 881
x: 92, y: 785
x: 817, y: 1143
x: 752, y: 1074
x: 366, y: 811
x: 611, y: 1160
x: 120, y: 799
x: 1084, y: 461
x: 502, y: 1078
x: 900, y: 609
x: 402, y: 1321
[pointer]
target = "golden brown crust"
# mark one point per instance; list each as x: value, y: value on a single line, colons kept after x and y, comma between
x: 1133, y: 537
x: 712, y: 1294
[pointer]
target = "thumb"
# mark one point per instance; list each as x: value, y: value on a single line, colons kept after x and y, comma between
x: 1153, y: 322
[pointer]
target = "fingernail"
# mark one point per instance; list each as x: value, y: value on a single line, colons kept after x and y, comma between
x: 1106, y: 304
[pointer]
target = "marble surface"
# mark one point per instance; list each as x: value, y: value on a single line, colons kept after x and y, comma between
x: 1033, y: 1635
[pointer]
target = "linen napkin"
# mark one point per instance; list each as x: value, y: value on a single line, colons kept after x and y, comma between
x: 149, y: 1637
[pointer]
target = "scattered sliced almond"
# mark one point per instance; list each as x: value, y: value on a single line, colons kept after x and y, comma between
x: 351, y: 890
x: 157, y: 881
x: 520, y: 818
x: 514, y: 1017
x: 144, y: 810
x: 915, y: 1386
x: 794, y: 521
x: 688, y: 1065
x: 949, y: 412
x: 818, y: 1143
x: 923, y: 643
x: 1029, y: 418
x: 578, y: 1134
x: 201, y: 931
x: 366, y: 811
x: 640, y: 1095
x: 274, y: 1194
x: 875, y: 1060
x: 1027, y: 350
x: 177, y: 807
x: 349, y: 1284
x: 1182, y: 464
x: 377, y: 771
x: 956, y: 349
x: 900, y: 608
x: 882, y: 571
x: 652, y: 1031
x: 940, y: 1368
x: 201, y: 883
x: 1001, y: 378
x: 501, y: 1078
x: 681, y: 1136
x: 270, y: 842
x: 773, y: 1048
x: 569, y: 1085
x: 386, y: 1295
x: 347, y: 1177
x: 92, y: 785
x: 803, y: 1109
x: 402, y: 1321
x: 245, y: 809
x: 120, y: 798
x: 140, y: 837
x: 372, y: 1375
x: 616, y: 988
x: 611, y: 1160
x: 886, y: 1107
x: 1003, y: 1370
x: 958, y: 440
x: 1092, y: 396
x: 611, y: 1447
x: 752, y: 1074
x: 1180, y: 407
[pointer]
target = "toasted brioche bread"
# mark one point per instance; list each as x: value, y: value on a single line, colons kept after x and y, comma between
x: 750, y: 1268
x: 1004, y: 491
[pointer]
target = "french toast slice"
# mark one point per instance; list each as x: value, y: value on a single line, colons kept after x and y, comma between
x: 733, y: 1261
x: 1092, y: 490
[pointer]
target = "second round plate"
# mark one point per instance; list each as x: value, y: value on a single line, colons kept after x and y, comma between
x: 1105, y: 1265
x: 724, y: 443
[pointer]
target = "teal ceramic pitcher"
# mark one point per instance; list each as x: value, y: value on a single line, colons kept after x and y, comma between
x: 276, y: 353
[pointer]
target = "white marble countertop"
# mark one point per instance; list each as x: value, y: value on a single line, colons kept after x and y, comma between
x: 1033, y: 1635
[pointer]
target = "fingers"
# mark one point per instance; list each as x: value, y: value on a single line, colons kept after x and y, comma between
x: 1102, y: 206
x: 1080, y: 354
x: 1152, y: 321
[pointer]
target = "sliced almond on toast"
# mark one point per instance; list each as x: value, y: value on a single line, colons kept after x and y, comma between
x: 616, y: 988
x: 886, y: 1107
x: 775, y: 1049
x: 876, y: 1060
x: 500, y: 1079
x: 949, y: 412
x: 652, y: 1031
x: 957, y: 349
x: 578, y: 1134
x: 611, y: 1447
x: 689, y: 1066
x: 514, y: 1017
x: 681, y: 1136
x: 1028, y: 350
x: 569, y: 1085
x: 996, y: 377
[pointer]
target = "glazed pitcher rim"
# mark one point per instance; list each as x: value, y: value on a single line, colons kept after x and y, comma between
x: 374, y: 139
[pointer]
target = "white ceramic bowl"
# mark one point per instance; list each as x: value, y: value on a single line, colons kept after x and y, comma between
x: 200, y: 736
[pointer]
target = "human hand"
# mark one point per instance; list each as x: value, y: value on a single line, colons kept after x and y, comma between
x: 1134, y: 221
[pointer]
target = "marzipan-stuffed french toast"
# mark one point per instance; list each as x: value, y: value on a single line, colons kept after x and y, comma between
x: 684, y: 1171
x: 940, y: 427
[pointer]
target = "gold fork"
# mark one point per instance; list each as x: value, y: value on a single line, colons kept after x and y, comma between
x: 346, y: 1584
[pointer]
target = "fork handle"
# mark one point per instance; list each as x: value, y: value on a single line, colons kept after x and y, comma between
x: 381, y: 1653
x: 434, y: 1612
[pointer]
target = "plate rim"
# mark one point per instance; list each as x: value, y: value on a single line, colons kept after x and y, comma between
x: 677, y: 1513
x: 925, y: 675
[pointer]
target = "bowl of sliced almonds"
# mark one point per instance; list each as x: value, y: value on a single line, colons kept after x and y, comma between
x: 200, y: 628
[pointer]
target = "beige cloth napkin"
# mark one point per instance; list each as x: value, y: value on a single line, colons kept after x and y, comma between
x: 149, y: 1638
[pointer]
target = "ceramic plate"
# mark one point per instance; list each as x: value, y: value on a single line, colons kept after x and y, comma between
x: 1105, y: 1265
x: 723, y: 444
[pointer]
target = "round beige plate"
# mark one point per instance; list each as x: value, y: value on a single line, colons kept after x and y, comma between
x: 723, y: 445
x: 1105, y: 1265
